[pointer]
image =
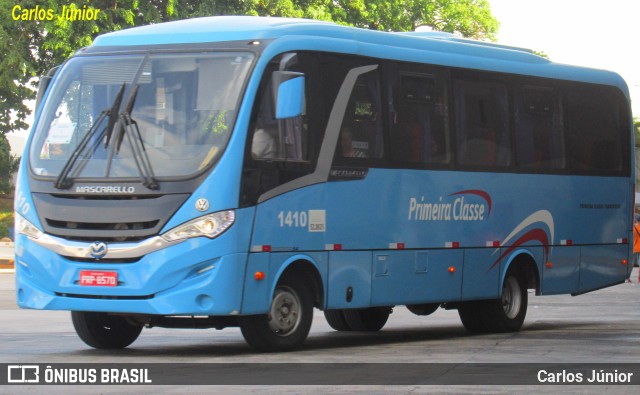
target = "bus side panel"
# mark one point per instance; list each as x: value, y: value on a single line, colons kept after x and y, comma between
x: 258, y: 292
x: 481, y: 280
x: 349, y: 284
x: 601, y: 266
x: 414, y: 277
x: 295, y: 221
x: 256, y: 296
x: 564, y: 274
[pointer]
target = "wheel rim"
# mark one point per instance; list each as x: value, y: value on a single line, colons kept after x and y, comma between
x: 511, y: 298
x: 285, y: 313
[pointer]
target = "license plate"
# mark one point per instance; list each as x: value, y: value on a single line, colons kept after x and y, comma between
x: 93, y: 278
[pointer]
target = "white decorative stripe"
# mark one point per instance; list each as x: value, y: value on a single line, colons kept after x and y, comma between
x: 543, y: 216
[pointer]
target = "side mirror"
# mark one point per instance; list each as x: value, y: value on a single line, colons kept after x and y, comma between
x: 45, y: 80
x: 288, y: 94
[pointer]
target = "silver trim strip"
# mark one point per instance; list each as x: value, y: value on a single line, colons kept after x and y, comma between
x: 78, y: 249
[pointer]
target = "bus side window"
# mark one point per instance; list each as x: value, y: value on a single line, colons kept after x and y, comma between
x: 481, y: 123
x: 361, y: 130
x: 273, y: 139
x: 419, y: 133
x: 264, y: 144
x: 279, y: 151
x: 539, y: 129
x: 593, y: 134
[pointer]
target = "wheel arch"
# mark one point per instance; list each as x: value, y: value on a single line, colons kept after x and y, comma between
x: 307, y: 270
x: 524, y: 262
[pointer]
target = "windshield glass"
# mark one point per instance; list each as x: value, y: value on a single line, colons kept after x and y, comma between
x: 184, y: 108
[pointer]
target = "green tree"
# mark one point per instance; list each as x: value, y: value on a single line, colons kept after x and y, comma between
x: 470, y: 18
x: 8, y: 166
x: 19, y: 44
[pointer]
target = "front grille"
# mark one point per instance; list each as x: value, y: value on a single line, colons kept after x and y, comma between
x: 106, y: 218
x: 103, y: 260
x: 107, y: 231
x: 108, y: 297
x: 102, y: 226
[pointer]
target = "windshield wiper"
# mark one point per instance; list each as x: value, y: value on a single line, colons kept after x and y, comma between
x: 129, y: 127
x: 113, y: 111
x: 64, y: 181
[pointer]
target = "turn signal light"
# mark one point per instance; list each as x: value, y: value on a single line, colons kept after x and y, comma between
x: 549, y: 265
x: 452, y: 269
x: 624, y: 262
x: 259, y: 276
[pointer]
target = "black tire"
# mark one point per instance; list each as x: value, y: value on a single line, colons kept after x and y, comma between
x: 472, y: 316
x: 336, y: 320
x: 371, y: 319
x: 287, y: 325
x: 505, y: 314
x: 423, y: 309
x: 510, y: 310
x: 104, y: 331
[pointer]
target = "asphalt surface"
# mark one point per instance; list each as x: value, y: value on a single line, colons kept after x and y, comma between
x: 599, y: 327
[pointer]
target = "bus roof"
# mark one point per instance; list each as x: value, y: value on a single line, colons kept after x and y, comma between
x: 442, y: 48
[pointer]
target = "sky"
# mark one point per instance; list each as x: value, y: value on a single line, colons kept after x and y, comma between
x: 590, y: 33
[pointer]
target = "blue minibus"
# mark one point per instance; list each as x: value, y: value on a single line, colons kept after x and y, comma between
x: 242, y: 171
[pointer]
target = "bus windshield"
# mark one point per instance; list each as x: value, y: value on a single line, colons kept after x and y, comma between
x: 183, y: 107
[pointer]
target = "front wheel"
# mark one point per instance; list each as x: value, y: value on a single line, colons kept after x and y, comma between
x: 104, y: 331
x: 287, y: 324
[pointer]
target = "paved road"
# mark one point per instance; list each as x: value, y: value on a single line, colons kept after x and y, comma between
x: 599, y: 327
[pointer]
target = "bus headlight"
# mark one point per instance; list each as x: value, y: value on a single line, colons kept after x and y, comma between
x: 24, y: 227
x: 211, y: 226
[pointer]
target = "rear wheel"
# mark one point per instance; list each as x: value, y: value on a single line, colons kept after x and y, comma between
x: 509, y: 311
x: 371, y: 319
x: 423, y: 309
x: 287, y: 324
x: 505, y: 314
x: 336, y: 320
x: 472, y: 316
x: 104, y: 331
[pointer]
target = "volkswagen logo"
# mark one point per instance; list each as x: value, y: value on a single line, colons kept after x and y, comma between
x: 202, y: 204
x: 98, y: 249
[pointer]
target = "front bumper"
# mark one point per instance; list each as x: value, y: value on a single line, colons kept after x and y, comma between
x: 186, y: 278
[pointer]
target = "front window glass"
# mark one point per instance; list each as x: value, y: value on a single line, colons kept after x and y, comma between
x: 179, y: 108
